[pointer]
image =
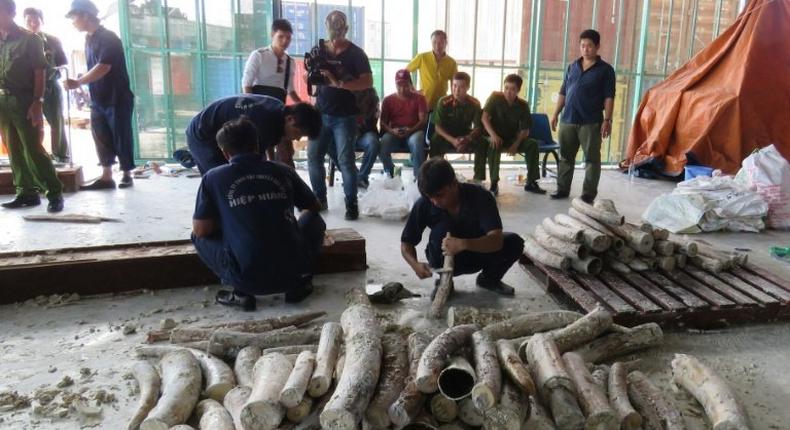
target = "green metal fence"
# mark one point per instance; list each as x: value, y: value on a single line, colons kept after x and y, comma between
x: 184, y: 53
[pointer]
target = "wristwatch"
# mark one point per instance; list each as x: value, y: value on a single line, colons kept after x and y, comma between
x: 41, y: 99
x: 607, y: 120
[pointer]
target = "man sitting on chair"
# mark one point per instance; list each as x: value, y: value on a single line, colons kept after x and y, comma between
x: 244, y: 228
x: 465, y: 223
x: 403, y: 118
x: 507, y: 120
x: 457, y: 121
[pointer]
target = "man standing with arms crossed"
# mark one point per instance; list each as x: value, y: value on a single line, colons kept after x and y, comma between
x: 112, y: 100
x: 587, y: 90
x: 22, y: 70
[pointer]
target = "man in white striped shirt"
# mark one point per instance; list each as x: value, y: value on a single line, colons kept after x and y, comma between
x: 270, y: 71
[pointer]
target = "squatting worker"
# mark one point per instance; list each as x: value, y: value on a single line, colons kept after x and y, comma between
x: 464, y: 223
x: 275, y: 122
x: 112, y: 100
x: 586, y: 101
x: 53, y: 95
x: 244, y: 228
x: 22, y: 80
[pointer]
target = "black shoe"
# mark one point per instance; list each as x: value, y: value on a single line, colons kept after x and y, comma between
x: 22, y: 202
x: 352, y: 211
x: 55, y: 205
x: 99, y: 184
x: 363, y: 183
x: 436, y: 287
x: 586, y: 198
x: 235, y: 298
x: 324, y: 204
x: 559, y: 195
x: 494, y: 188
x: 533, y: 187
x: 299, y: 294
x: 126, y: 181
x: 498, y: 286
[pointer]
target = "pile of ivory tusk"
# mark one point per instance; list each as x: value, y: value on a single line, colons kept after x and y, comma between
x: 591, y: 237
x: 490, y: 368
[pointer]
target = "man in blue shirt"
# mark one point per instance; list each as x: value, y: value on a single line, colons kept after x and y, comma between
x: 586, y: 101
x: 275, y: 122
x: 244, y: 228
x: 465, y: 223
x: 112, y: 100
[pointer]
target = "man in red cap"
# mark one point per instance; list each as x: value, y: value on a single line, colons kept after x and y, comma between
x: 403, y: 118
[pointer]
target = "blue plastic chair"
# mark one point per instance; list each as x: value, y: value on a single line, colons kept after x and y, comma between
x: 541, y: 131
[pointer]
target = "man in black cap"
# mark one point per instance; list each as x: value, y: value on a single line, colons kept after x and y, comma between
x: 112, y: 100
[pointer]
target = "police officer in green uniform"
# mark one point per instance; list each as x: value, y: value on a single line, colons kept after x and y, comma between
x: 507, y: 120
x: 22, y: 81
x: 457, y: 122
x: 53, y: 96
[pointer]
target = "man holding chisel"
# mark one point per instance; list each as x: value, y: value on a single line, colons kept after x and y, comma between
x: 465, y: 224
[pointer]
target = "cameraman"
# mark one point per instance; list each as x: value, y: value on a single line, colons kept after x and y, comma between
x: 348, y: 70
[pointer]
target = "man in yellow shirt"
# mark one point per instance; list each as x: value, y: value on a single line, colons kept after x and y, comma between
x: 436, y: 69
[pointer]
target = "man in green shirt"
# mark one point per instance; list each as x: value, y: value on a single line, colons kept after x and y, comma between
x: 22, y: 81
x: 457, y: 121
x: 507, y: 120
x: 53, y: 94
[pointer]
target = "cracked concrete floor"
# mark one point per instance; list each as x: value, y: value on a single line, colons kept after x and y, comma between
x: 41, y: 344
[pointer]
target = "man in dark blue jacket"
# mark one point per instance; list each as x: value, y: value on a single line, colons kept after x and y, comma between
x: 274, y: 121
x: 244, y: 228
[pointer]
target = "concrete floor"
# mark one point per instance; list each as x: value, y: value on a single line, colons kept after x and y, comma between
x: 40, y: 344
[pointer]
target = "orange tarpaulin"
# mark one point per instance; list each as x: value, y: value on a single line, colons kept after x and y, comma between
x: 729, y: 99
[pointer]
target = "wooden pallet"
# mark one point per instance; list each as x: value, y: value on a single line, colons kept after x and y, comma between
x: 153, y: 265
x: 689, y: 297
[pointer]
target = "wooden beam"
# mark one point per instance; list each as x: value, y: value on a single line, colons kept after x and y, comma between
x: 153, y: 265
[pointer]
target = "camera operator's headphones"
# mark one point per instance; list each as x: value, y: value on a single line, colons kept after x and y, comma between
x: 336, y: 24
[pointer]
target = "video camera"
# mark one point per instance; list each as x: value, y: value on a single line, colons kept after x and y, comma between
x: 314, y: 61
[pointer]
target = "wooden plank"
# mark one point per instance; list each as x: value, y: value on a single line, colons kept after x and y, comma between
x: 651, y: 290
x: 629, y: 293
x: 555, y: 281
x: 720, y: 286
x: 746, y: 288
x: 700, y: 289
x: 678, y: 292
x: 70, y: 177
x: 763, y: 284
x: 784, y: 283
x: 159, y: 265
x: 582, y: 297
x: 612, y: 300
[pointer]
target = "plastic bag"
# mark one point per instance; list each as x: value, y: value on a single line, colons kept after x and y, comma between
x: 385, y: 198
x: 768, y: 174
x: 708, y: 204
